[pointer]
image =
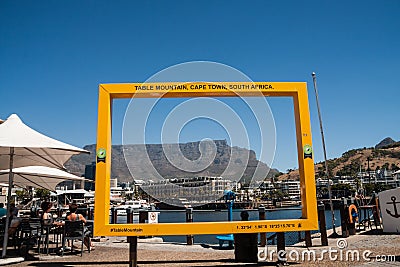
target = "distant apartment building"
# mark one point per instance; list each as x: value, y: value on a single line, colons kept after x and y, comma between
x: 196, y: 189
x: 321, y: 182
x: 265, y: 187
x: 291, y: 188
x: 381, y: 176
x: 70, y: 185
x: 396, y: 175
x: 90, y: 175
x: 344, y: 180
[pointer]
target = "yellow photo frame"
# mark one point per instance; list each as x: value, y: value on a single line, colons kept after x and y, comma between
x: 296, y: 90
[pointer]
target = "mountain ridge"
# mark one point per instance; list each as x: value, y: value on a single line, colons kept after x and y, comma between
x: 384, y: 155
x: 238, y: 159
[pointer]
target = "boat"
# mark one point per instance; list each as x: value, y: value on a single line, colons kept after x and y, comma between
x: 144, y: 204
x: 135, y: 205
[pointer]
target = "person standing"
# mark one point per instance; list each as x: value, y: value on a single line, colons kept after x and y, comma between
x: 14, y: 210
x: 3, y: 211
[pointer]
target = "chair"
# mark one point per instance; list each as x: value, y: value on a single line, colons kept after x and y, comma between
x: 46, y: 227
x: 57, y: 232
x: 29, y: 233
x: 73, y: 230
x: 2, y: 228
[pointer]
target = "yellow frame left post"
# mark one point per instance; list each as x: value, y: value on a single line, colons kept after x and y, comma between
x: 103, y: 171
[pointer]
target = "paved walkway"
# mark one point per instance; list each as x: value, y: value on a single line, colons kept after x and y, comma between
x: 114, y: 253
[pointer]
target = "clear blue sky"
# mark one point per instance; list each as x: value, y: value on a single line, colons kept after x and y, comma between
x: 53, y: 55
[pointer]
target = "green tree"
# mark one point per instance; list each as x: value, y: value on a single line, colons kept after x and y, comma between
x: 385, y: 166
x: 24, y: 196
x: 368, y: 189
x: 276, y: 194
x: 42, y: 193
x: 394, y: 167
x: 342, y: 190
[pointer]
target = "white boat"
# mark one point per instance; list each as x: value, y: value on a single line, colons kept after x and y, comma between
x: 121, y: 212
x: 144, y: 204
x: 130, y: 204
x: 135, y: 205
x: 115, y: 198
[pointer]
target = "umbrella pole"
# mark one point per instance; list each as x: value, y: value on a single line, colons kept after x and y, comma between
x: 10, y: 185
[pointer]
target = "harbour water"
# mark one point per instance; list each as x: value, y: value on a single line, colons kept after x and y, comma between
x: 171, y: 216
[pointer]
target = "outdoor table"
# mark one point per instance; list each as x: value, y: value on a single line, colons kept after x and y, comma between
x: 366, y: 211
x: 58, y: 230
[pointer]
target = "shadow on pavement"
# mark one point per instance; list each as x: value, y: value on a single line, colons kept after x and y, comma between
x: 216, y: 247
x: 211, y: 263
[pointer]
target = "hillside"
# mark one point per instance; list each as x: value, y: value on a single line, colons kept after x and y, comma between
x: 385, y: 155
x: 241, y: 159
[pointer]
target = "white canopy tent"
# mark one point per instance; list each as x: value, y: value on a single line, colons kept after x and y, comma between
x: 31, y: 147
x: 22, y: 146
x: 38, y: 177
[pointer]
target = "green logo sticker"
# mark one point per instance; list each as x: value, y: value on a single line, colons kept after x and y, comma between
x: 307, y: 151
x: 101, y: 155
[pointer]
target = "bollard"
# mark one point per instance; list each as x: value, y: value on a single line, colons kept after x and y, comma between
x: 322, y: 224
x: 307, y: 237
x: 129, y: 215
x: 129, y: 219
x: 59, y: 212
x: 92, y: 213
x: 352, y: 228
x: 262, y: 216
x: 132, y: 251
x: 246, y: 247
x: 189, y: 219
x: 143, y: 216
x: 89, y: 213
x: 113, y: 215
x: 280, y: 240
x: 344, y: 219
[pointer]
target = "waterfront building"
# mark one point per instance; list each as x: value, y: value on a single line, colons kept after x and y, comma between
x: 265, y: 186
x: 116, y: 192
x: 291, y: 188
x: 90, y: 174
x: 188, y: 189
x: 396, y: 177
x: 344, y: 180
x: 70, y: 185
x: 381, y: 176
x: 78, y: 196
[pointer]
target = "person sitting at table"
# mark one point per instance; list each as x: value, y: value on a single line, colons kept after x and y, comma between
x: 14, y: 222
x: 47, y: 217
x: 73, y: 216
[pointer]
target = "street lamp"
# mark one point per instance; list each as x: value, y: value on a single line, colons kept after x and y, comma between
x: 334, y: 234
x: 369, y: 171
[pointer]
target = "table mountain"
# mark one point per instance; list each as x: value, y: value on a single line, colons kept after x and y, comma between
x: 243, y: 165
